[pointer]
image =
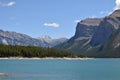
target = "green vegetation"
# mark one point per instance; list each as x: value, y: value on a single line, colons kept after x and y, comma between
x: 30, y: 51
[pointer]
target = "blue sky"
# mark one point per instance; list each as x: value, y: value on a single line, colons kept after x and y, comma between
x: 56, y: 18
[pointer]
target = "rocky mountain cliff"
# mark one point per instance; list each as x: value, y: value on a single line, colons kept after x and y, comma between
x: 13, y: 38
x: 52, y: 42
x: 93, y: 34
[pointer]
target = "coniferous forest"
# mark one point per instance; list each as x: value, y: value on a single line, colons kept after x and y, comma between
x: 31, y: 51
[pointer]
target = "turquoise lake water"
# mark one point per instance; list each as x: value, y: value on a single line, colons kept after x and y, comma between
x: 97, y: 69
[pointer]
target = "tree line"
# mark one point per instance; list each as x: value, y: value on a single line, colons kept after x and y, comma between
x: 31, y: 51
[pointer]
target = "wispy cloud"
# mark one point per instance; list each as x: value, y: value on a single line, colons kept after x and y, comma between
x: 117, y: 2
x: 8, y: 4
x: 76, y: 21
x: 55, y: 25
x: 104, y: 12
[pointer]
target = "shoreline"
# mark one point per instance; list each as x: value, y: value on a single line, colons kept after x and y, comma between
x: 45, y: 58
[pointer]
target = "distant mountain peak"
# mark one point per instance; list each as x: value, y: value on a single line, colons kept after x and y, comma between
x: 14, y: 38
x: 52, y: 42
x: 46, y: 37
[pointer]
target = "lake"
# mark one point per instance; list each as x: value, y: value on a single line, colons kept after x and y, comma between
x: 28, y: 69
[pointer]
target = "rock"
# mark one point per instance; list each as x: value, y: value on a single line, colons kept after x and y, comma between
x: 93, y: 35
x: 52, y: 42
x: 3, y: 74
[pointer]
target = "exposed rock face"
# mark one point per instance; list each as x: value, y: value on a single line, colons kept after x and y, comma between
x: 52, y: 42
x: 107, y: 26
x: 13, y: 38
x: 116, y: 13
x: 116, y: 41
x: 92, y: 34
x: 87, y: 27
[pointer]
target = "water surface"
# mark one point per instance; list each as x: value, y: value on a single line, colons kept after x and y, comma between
x: 96, y: 69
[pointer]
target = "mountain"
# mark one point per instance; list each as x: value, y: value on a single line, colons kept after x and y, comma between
x: 13, y: 38
x: 94, y: 36
x: 52, y: 42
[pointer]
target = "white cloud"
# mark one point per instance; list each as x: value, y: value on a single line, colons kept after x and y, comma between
x: 55, y: 25
x: 104, y: 12
x: 78, y: 20
x: 117, y: 6
x: 8, y: 4
x: 117, y: 2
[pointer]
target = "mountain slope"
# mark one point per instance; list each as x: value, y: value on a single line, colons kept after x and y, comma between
x: 94, y: 36
x: 111, y: 48
x: 52, y: 42
x: 13, y: 38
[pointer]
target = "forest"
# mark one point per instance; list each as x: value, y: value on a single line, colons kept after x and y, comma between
x: 31, y: 51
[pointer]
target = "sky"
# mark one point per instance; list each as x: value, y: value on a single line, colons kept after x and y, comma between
x: 56, y: 18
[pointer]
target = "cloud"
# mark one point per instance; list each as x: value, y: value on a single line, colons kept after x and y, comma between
x: 104, y: 12
x: 8, y: 4
x: 117, y: 6
x: 117, y: 2
x: 55, y: 25
x: 78, y: 20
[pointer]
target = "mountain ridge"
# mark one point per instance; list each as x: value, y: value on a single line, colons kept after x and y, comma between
x: 52, y: 42
x: 14, y: 38
x: 92, y: 34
